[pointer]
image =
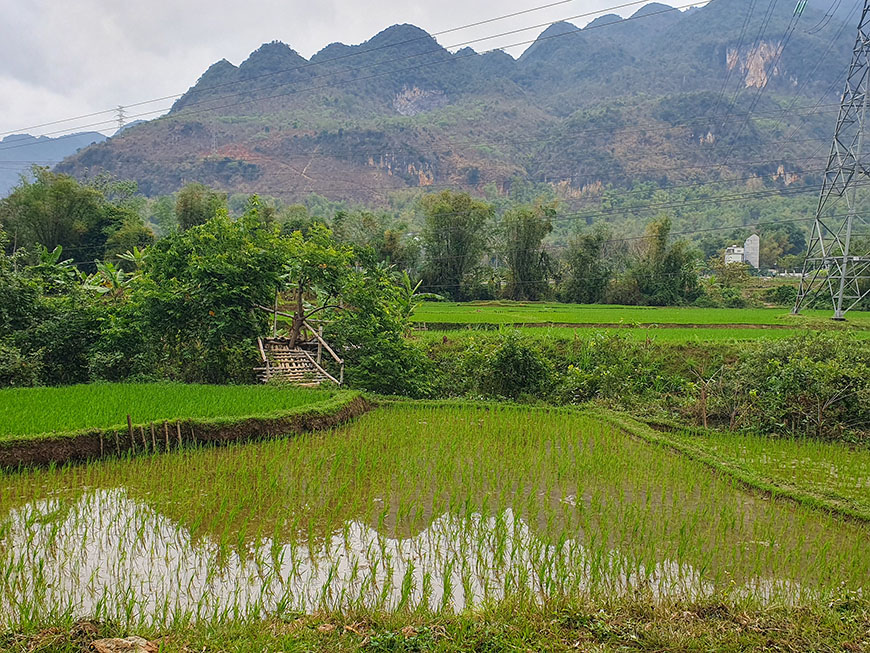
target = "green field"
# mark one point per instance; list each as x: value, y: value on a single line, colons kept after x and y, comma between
x: 642, y: 334
x: 539, y: 313
x: 35, y: 411
x: 414, y: 508
x: 829, y: 470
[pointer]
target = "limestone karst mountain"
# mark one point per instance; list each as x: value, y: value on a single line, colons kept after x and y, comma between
x: 732, y: 89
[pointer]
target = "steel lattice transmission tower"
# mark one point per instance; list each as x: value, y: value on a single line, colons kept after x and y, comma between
x: 838, y: 254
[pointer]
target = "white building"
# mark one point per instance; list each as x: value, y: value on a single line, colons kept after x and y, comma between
x: 734, y: 255
x: 749, y: 253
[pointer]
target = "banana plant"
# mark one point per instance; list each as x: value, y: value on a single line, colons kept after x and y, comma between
x: 109, y: 280
x: 136, y: 256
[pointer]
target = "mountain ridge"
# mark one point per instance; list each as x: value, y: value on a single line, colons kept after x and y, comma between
x: 399, y: 111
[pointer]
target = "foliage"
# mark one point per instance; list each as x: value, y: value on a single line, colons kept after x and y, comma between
x: 377, y: 237
x: 370, y: 331
x: 589, y: 268
x: 781, y: 295
x: 199, y: 291
x: 315, y: 267
x: 56, y: 210
x: 514, y: 369
x: 812, y: 385
x: 523, y: 230
x: 196, y: 204
x: 15, y: 368
x: 660, y: 274
x: 454, y: 240
x: 798, y: 385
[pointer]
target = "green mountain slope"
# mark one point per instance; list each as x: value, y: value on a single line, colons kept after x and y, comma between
x: 732, y: 90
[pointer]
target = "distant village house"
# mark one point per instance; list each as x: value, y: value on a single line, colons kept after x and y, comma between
x: 749, y: 253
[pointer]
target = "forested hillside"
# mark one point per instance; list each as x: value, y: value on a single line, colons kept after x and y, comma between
x: 738, y: 92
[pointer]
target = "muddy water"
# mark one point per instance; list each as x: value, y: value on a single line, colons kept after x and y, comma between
x: 107, y: 554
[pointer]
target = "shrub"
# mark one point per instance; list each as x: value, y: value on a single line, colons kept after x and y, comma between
x: 15, y: 368
x: 780, y: 295
x: 370, y: 335
x: 817, y: 385
x: 514, y: 369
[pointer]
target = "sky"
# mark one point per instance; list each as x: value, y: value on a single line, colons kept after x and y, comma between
x: 60, y: 59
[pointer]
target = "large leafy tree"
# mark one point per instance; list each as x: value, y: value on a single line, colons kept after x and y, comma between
x: 54, y: 209
x: 523, y: 230
x: 454, y: 239
x: 199, y: 292
x: 590, y: 267
x: 314, y: 273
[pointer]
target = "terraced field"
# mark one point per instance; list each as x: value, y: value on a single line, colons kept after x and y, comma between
x: 32, y: 412
x: 604, y: 315
x: 413, y: 507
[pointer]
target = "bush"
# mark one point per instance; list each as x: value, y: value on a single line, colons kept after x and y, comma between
x: 816, y: 385
x: 370, y: 335
x: 15, y: 368
x: 515, y: 369
x: 780, y: 295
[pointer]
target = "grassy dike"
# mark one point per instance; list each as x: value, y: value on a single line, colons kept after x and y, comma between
x: 755, y: 476
x: 627, y: 625
x: 256, y: 422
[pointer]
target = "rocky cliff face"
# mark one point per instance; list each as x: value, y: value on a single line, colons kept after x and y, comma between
x: 757, y: 64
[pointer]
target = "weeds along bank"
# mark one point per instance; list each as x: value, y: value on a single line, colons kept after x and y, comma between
x: 433, y: 514
x: 815, y: 384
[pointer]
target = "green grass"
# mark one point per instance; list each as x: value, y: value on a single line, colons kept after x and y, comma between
x: 643, y: 334
x: 535, y: 313
x: 36, y: 411
x: 413, y: 509
x: 602, y: 627
x: 829, y: 470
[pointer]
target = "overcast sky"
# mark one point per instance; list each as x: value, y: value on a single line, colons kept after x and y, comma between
x: 63, y: 58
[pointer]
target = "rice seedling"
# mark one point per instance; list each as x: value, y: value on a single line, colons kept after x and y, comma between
x: 827, y: 469
x: 641, y: 334
x: 503, y: 312
x: 34, y: 411
x: 412, y: 507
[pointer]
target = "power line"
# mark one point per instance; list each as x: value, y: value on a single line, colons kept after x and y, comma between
x: 349, y: 55
x: 453, y: 58
x: 353, y: 54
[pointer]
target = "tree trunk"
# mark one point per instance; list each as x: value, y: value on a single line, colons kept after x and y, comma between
x: 298, y: 318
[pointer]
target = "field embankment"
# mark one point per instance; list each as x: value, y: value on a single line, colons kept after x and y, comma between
x: 41, y: 426
x: 828, y: 476
x: 603, y: 627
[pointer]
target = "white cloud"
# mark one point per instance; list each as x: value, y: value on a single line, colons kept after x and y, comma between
x: 61, y: 59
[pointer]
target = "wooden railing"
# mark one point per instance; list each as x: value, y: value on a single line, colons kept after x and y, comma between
x: 321, y: 344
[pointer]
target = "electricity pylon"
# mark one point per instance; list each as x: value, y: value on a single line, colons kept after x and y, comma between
x: 838, y: 254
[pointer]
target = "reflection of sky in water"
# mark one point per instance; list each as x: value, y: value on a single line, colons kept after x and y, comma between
x: 111, y: 556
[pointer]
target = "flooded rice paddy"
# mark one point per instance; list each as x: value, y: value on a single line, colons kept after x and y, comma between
x: 410, y: 507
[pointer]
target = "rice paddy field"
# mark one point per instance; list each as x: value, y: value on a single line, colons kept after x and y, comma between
x: 416, y: 509
x: 502, y: 312
x: 640, y: 334
x: 829, y: 470
x: 31, y: 412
